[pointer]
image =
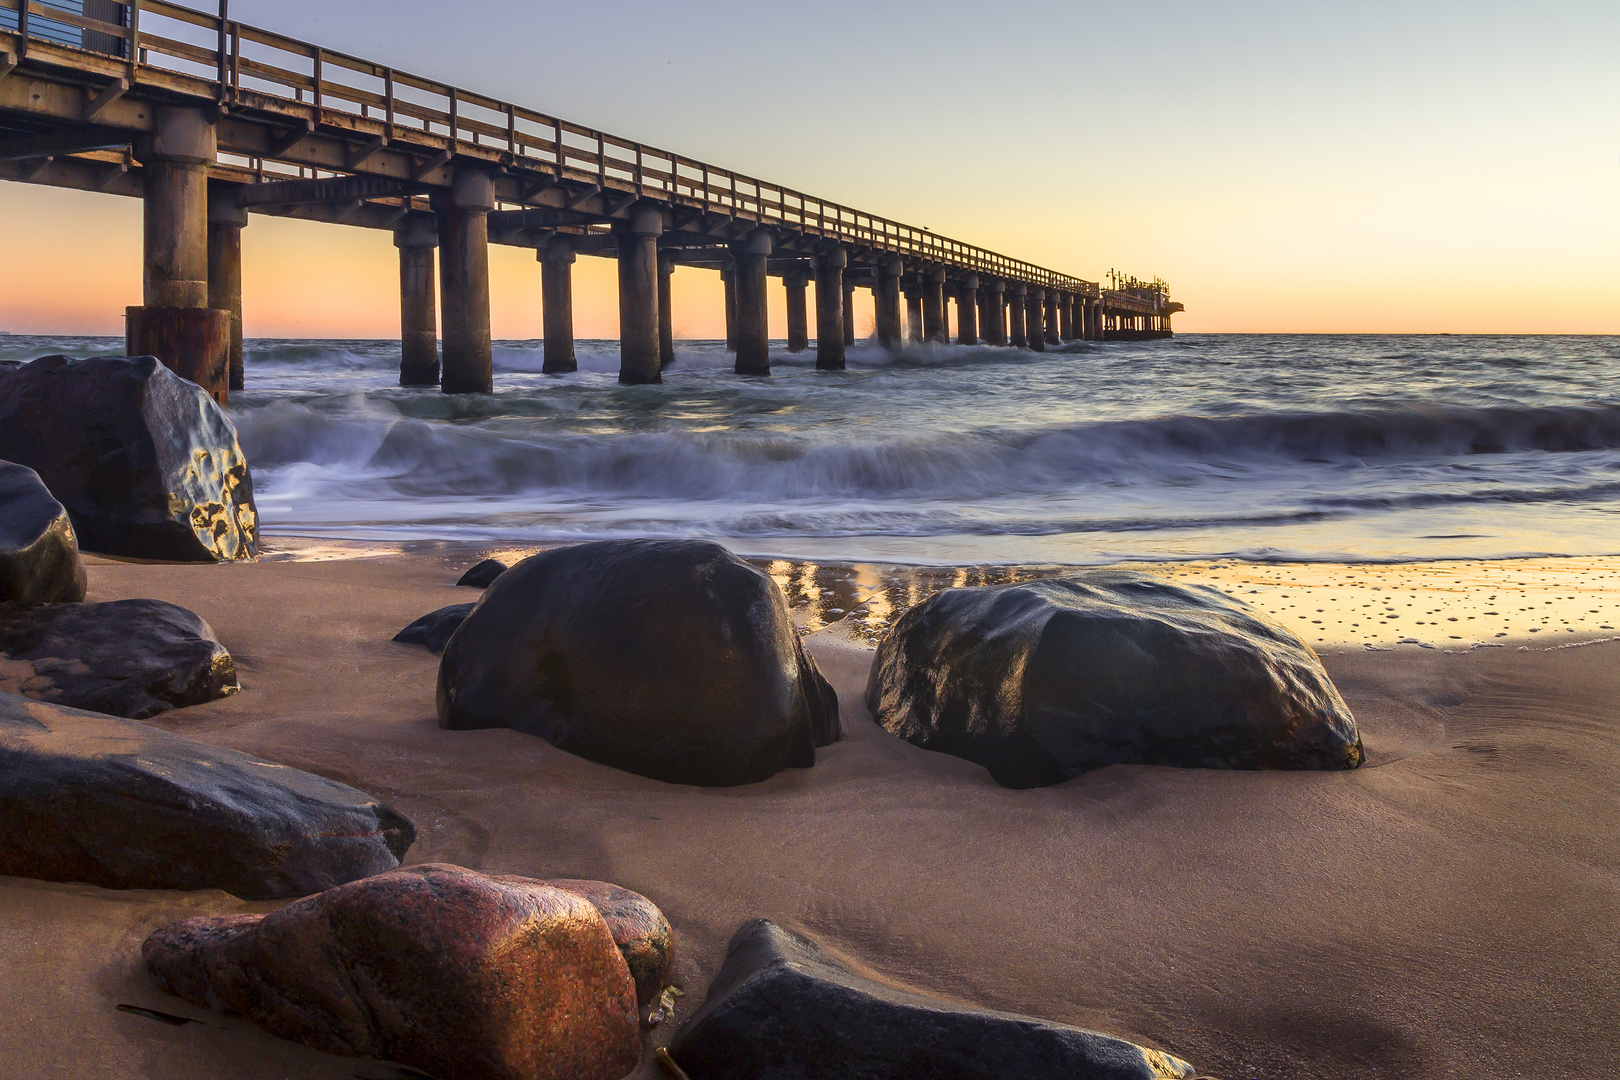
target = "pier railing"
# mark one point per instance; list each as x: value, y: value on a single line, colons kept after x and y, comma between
x: 249, y: 66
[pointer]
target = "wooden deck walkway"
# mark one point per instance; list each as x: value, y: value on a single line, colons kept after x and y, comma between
x: 207, y: 118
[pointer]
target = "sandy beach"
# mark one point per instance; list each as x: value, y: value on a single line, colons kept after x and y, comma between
x: 1446, y: 910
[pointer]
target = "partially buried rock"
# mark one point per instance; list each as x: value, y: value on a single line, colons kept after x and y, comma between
x: 146, y: 462
x: 673, y: 659
x: 434, y: 967
x: 115, y: 803
x: 643, y: 935
x: 434, y: 629
x: 39, y: 554
x: 481, y: 575
x: 782, y: 1008
x: 1041, y: 681
x: 130, y: 658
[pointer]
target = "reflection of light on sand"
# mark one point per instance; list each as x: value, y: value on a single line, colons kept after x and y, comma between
x: 1440, y: 605
x: 1444, y: 605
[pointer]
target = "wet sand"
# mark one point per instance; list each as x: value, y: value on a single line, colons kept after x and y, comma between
x: 1447, y: 910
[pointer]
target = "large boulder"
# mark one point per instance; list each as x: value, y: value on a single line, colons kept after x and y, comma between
x: 782, y: 1008
x: 435, y: 967
x: 670, y: 658
x: 129, y: 658
x: 433, y: 630
x: 39, y: 554
x: 146, y: 463
x: 112, y: 802
x: 1041, y: 681
x: 639, y: 929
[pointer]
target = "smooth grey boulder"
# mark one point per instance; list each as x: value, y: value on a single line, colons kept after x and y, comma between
x: 1044, y: 680
x: 673, y: 659
x: 129, y: 658
x: 39, y: 554
x: 782, y: 1008
x: 115, y: 803
x: 480, y: 575
x: 433, y: 630
x: 146, y: 463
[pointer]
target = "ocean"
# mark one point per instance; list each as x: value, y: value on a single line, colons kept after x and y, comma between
x: 1287, y: 447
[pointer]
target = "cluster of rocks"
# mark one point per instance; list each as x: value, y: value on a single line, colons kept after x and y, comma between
x: 672, y: 659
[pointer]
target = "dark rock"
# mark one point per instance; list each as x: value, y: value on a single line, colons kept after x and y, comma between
x: 670, y: 658
x: 434, y: 967
x: 434, y: 628
x: 781, y: 1008
x: 639, y: 929
x: 129, y: 658
x: 481, y: 575
x: 115, y: 803
x: 39, y: 555
x: 1041, y: 681
x: 146, y: 463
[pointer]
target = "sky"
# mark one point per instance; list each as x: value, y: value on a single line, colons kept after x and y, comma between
x: 1416, y: 167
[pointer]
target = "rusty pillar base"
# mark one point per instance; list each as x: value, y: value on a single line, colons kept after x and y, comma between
x: 194, y: 343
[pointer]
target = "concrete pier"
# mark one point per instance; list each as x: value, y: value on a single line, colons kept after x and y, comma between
x: 225, y: 223
x: 1052, y: 335
x: 1066, y: 317
x: 935, y: 327
x: 995, y: 312
x: 557, y: 304
x: 967, y: 310
x: 832, y: 317
x: 416, y: 236
x: 753, y: 326
x: 798, y: 318
x: 887, y: 300
x: 1016, y: 297
x: 464, y: 282
x: 666, y: 314
x: 1095, y: 309
x: 637, y: 240
x: 914, y: 308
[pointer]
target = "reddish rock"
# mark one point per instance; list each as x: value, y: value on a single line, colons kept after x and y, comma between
x: 435, y: 967
x: 639, y: 929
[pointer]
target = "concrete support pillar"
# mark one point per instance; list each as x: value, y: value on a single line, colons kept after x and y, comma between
x: 225, y: 222
x: 832, y: 316
x: 557, y: 303
x: 914, y: 309
x: 1035, y: 319
x: 798, y: 315
x: 416, y: 236
x: 666, y: 314
x: 464, y: 282
x: 935, y: 328
x: 1051, y: 320
x: 887, y: 300
x: 175, y: 323
x: 967, y: 310
x: 753, y: 326
x: 1066, y: 317
x: 1095, y: 307
x: 1015, y: 316
x: 995, y: 312
x: 849, y: 311
x: 728, y: 283
x: 638, y: 295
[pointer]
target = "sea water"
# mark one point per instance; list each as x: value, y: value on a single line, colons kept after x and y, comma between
x: 1345, y: 448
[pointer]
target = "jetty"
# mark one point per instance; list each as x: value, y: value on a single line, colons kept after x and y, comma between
x: 208, y: 120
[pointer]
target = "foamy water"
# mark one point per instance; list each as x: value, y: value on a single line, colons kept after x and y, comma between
x: 1297, y: 447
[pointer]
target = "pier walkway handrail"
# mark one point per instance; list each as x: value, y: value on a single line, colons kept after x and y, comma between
x: 244, y: 67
